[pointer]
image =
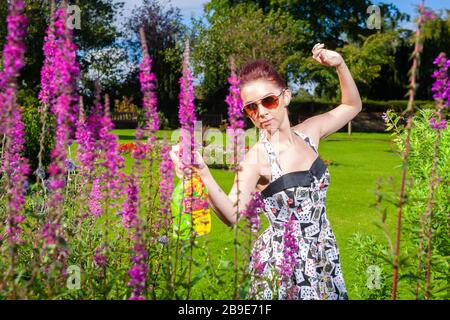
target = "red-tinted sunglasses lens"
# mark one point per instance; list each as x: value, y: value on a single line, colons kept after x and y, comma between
x: 251, y: 109
x: 270, y: 102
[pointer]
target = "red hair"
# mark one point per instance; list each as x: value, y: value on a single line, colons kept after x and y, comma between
x: 260, y: 69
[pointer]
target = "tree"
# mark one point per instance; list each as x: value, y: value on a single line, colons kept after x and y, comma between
x: 110, y: 66
x: 97, y: 30
x: 436, y: 40
x: 164, y: 33
x: 331, y: 22
x: 365, y: 62
x: 244, y: 32
x: 392, y: 83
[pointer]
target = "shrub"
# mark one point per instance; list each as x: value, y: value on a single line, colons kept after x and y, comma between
x: 414, y: 227
x: 31, y: 118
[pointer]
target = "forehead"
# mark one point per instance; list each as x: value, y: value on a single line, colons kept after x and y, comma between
x: 258, y: 89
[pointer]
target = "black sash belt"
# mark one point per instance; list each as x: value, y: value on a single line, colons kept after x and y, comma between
x: 296, y: 179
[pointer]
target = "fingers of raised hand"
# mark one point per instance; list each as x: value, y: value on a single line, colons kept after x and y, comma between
x: 317, y: 47
x: 320, y: 56
x: 318, y: 51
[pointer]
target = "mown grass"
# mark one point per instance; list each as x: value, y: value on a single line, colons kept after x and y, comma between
x: 357, y: 161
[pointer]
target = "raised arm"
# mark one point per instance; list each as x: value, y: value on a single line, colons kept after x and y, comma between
x: 333, y: 120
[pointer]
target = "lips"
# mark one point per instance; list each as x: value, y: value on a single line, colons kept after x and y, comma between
x: 266, y: 122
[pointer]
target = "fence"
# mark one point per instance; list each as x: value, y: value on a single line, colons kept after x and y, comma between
x: 124, y: 120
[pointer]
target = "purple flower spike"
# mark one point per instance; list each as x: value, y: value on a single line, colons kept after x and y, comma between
x: 254, y: 209
x: 15, y: 167
x: 148, y: 86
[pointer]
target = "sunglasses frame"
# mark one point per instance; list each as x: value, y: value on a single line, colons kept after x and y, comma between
x: 257, y: 102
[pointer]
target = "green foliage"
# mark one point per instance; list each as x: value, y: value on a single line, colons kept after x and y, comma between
x: 378, y: 59
x: 164, y: 32
x: 415, y: 225
x: 98, y: 30
x: 163, y: 120
x: 436, y: 39
x: 420, y: 162
x: 332, y: 22
x: 244, y: 32
x: 392, y: 82
x: 373, y: 275
x: 364, y: 61
x: 32, y: 120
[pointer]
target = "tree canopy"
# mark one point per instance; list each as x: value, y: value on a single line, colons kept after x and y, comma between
x: 98, y: 30
x: 244, y: 32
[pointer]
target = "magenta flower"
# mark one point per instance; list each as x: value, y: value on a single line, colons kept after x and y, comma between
x: 235, y: 130
x: 14, y: 166
x: 100, y: 257
x: 140, y: 151
x: 64, y: 104
x: 130, y: 220
x: 441, y: 92
x: 48, y: 85
x: 86, y: 152
x: 257, y: 264
x: 112, y: 160
x: 290, y: 250
x: 254, y: 209
x: 94, y: 201
x: 147, y: 80
x: 234, y: 101
x: 130, y: 206
x: 441, y: 86
x: 138, y: 272
x: 166, y: 169
x: 428, y: 15
x: 96, y: 142
x: 50, y: 234
x: 186, y: 111
x: 441, y: 125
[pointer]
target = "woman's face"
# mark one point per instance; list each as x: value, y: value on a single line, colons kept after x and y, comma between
x: 266, y: 118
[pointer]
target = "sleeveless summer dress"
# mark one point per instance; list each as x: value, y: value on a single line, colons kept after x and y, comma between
x: 298, y: 197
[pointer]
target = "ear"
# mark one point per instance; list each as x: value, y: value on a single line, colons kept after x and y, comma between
x: 288, y: 96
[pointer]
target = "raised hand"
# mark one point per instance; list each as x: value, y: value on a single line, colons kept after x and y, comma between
x: 326, y: 57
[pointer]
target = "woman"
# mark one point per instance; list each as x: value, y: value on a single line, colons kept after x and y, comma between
x: 285, y: 167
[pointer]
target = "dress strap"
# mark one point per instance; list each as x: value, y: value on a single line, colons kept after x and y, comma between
x: 275, y: 166
x: 307, y: 140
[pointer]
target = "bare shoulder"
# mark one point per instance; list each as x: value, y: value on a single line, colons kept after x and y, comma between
x: 311, y: 129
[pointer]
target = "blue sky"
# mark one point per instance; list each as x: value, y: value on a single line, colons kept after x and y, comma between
x: 194, y: 8
x: 188, y: 7
x: 408, y: 6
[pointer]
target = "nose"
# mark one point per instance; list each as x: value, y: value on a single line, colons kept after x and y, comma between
x: 261, y: 109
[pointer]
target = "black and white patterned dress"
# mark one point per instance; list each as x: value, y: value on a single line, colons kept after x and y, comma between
x: 299, y: 197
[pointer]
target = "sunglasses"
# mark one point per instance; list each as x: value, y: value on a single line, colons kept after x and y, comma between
x: 270, y: 102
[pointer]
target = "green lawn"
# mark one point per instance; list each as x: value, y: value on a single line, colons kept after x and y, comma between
x: 357, y: 161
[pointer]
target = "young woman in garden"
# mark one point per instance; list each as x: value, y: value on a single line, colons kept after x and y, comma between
x: 285, y: 167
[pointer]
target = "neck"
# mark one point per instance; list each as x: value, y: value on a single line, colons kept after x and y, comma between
x: 282, y: 137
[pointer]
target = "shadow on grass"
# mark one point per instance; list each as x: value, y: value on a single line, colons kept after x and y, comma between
x: 126, y: 137
x: 133, y: 138
x: 332, y: 163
